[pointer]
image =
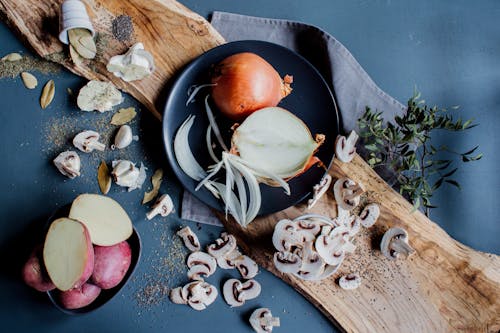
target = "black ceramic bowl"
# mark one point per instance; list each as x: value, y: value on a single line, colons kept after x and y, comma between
x: 105, y: 295
x: 311, y: 100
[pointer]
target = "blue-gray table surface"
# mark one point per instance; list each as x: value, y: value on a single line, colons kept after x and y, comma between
x: 449, y: 50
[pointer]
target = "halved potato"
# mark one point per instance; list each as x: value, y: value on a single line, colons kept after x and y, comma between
x: 108, y: 223
x: 68, y: 254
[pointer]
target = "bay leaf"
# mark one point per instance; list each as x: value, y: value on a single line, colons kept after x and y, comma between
x: 75, y: 56
x: 123, y: 116
x: 83, y: 42
x: 47, y: 94
x: 104, y: 177
x: 156, y: 180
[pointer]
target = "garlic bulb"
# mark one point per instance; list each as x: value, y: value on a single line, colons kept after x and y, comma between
x: 136, y: 64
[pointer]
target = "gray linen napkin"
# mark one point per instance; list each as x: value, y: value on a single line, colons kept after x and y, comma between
x: 351, y: 85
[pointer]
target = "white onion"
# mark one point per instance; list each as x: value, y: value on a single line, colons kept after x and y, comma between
x: 183, y: 153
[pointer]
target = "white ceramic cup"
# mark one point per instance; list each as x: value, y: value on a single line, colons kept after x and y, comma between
x: 73, y: 14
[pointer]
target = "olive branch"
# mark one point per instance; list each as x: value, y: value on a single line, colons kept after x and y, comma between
x: 404, y: 147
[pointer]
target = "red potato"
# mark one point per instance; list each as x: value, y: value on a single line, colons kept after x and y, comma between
x: 68, y: 254
x: 111, y: 264
x: 79, y: 297
x: 34, y: 273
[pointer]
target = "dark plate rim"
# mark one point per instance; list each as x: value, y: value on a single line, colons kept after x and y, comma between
x: 168, y: 144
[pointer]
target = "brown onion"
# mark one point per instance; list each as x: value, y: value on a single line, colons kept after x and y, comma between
x: 244, y: 83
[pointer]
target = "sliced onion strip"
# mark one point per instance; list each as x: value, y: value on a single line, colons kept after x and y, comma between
x: 193, y: 91
x: 213, y: 124
x: 183, y: 152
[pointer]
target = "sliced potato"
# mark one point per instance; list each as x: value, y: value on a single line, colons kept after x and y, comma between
x: 108, y: 223
x: 68, y: 254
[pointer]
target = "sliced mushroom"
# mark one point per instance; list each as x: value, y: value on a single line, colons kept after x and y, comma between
x: 177, y: 297
x: 350, y: 281
x: 246, y: 266
x: 369, y: 215
x: 347, y: 193
x: 319, y: 190
x: 206, y: 261
x: 249, y: 290
x: 68, y: 163
x: 199, y: 294
x: 345, y: 149
x: 286, y: 235
x: 262, y: 320
x: 354, y: 225
x: 223, y: 246
x: 163, y: 206
x: 189, y: 238
x: 231, y: 292
x: 312, y: 264
x: 228, y: 262
x: 331, y: 247
x: 87, y: 141
x: 287, y: 262
x: 395, y: 242
x: 329, y: 270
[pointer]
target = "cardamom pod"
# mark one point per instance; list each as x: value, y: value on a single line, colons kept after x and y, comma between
x: 12, y: 57
x: 47, y: 94
x: 29, y: 80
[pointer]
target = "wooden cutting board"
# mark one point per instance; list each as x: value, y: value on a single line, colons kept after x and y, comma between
x: 171, y: 32
x: 444, y: 287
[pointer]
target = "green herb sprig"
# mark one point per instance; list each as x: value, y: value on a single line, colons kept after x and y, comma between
x: 405, y: 148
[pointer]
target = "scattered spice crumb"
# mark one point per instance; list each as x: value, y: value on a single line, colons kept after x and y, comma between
x: 122, y: 28
x: 27, y: 64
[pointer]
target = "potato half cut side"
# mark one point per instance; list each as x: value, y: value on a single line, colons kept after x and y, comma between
x: 68, y: 254
x: 108, y: 223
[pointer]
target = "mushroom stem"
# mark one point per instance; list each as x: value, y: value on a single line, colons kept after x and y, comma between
x: 270, y: 321
x: 97, y: 145
x: 400, y: 246
x: 353, y: 192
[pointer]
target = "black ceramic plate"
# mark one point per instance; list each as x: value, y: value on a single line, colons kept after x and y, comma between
x: 105, y: 295
x: 311, y: 100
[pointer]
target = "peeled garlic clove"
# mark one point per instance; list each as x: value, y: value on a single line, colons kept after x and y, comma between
x: 68, y: 163
x: 123, y: 137
x: 124, y: 173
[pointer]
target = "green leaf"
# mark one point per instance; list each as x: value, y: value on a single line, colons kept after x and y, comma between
x: 448, y: 174
x: 470, y: 151
x: 454, y: 183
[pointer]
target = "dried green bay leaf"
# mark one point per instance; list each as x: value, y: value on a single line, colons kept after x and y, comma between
x: 104, y: 177
x: 123, y: 116
x: 12, y: 57
x: 83, y: 42
x: 29, y: 80
x: 47, y: 94
x: 156, y: 180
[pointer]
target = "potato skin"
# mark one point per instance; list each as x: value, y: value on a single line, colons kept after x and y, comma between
x: 34, y: 273
x: 111, y: 263
x: 79, y: 297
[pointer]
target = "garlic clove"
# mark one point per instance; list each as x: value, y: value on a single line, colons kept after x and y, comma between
x: 125, y: 173
x: 136, y: 64
x: 123, y: 137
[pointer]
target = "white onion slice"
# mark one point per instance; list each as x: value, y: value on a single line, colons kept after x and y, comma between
x: 208, y: 139
x: 214, y: 125
x: 231, y: 202
x: 193, y: 91
x: 183, y: 152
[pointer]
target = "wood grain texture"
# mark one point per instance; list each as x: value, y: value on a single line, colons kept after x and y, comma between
x: 444, y: 287
x: 171, y: 32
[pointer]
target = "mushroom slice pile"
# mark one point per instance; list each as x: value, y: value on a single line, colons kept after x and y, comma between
x: 189, y: 238
x: 262, y: 320
x: 197, y: 294
x: 345, y: 148
x: 347, y: 193
x: 310, y: 247
x: 228, y: 261
x: 236, y: 292
x: 200, y: 265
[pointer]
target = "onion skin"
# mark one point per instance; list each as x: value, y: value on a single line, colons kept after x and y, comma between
x: 244, y: 83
